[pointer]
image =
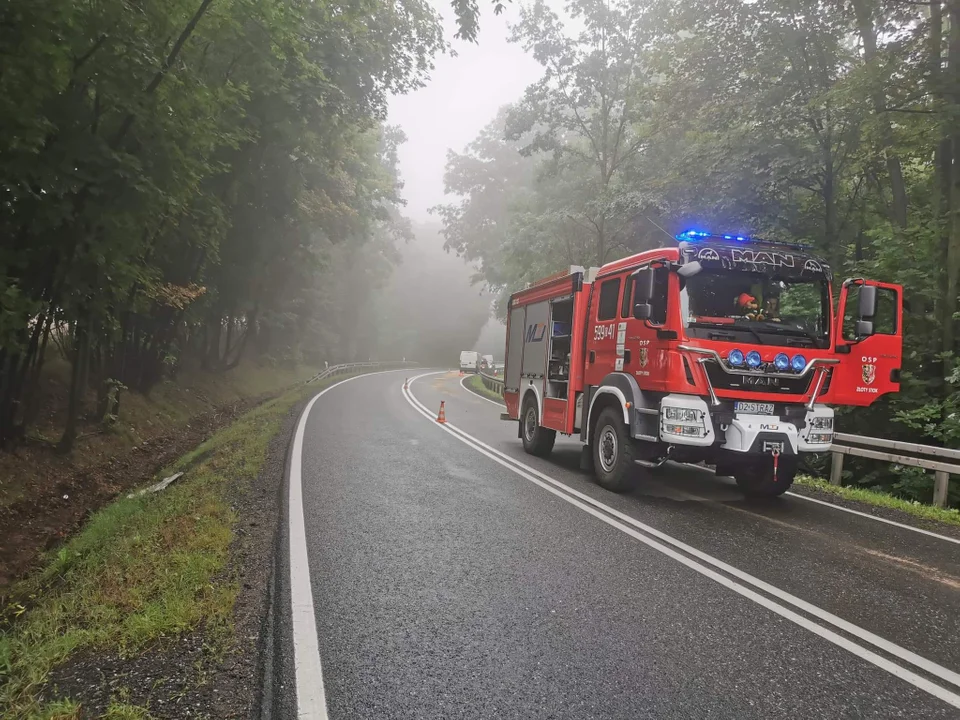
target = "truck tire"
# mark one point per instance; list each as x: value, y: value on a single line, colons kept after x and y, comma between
x: 537, y: 440
x: 613, y: 452
x: 755, y: 477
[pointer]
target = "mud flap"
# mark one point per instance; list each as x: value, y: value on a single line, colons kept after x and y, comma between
x: 586, y: 458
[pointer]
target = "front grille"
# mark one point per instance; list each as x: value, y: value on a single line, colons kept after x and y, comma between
x: 760, y: 382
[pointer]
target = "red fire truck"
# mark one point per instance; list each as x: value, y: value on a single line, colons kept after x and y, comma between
x: 725, y: 350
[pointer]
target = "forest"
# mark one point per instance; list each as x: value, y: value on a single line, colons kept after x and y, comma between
x: 832, y: 124
x: 201, y: 181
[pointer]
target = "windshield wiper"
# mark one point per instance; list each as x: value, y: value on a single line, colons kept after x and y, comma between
x: 784, y: 330
x: 728, y: 327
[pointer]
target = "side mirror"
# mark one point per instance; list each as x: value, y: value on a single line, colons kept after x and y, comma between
x: 868, y: 302
x: 643, y: 286
x: 642, y: 311
x: 689, y: 269
x: 864, y: 328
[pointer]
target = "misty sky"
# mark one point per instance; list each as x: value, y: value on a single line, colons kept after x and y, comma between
x: 463, y: 95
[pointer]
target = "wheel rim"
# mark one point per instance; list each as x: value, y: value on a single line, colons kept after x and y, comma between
x: 530, y: 424
x: 608, y: 447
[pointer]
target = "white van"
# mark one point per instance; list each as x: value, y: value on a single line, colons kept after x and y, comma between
x: 470, y: 361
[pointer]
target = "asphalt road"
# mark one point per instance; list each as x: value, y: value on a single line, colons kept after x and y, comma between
x: 440, y: 572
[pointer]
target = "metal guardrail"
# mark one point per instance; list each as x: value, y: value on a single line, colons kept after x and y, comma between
x: 492, y: 382
x: 927, y: 457
x: 921, y: 456
x: 346, y: 368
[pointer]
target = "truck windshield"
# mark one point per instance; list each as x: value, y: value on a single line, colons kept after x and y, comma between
x: 768, y: 309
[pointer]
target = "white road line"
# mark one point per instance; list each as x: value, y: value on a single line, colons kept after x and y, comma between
x: 476, y: 394
x: 311, y: 700
x: 621, y: 522
x: 831, y: 505
x: 874, y: 517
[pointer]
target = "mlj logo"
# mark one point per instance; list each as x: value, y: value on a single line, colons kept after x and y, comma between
x: 533, y: 330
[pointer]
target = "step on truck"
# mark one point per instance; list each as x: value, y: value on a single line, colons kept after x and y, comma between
x: 726, y: 350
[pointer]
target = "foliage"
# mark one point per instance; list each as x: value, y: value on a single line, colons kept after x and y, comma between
x: 178, y: 178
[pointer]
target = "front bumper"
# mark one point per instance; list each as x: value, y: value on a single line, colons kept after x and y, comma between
x: 687, y: 420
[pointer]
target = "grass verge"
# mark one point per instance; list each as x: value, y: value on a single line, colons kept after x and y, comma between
x: 475, y: 383
x: 950, y: 516
x: 170, y: 405
x: 142, y: 570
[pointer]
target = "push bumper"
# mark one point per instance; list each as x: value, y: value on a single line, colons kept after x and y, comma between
x: 686, y: 420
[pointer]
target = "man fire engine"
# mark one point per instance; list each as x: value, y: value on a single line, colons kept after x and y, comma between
x: 724, y: 350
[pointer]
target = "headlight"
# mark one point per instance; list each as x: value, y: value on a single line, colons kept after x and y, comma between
x: 735, y: 357
x: 798, y: 363
x: 820, y: 438
x: 689, y: 430
x: 781, y: 361
x: 754, y: 359
x: 681, y: 414
x: 822, y: 422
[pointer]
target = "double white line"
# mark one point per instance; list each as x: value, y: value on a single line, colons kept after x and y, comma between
x: 772, y: 598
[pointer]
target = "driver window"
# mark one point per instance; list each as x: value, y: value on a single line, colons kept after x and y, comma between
x: 658, y: 303
x: 884, y: 322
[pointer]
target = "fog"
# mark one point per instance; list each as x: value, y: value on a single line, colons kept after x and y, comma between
x: 464, y: 92
x: 429, y: 310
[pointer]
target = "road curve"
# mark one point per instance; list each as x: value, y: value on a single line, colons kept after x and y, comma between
x: 439, y: 572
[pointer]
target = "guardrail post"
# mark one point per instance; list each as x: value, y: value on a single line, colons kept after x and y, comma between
x: 836, y: 468
x: 940, y: 486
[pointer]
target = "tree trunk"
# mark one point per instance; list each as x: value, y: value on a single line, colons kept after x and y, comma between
x: 868, y: 34
x: 78, y: 385
x: 952, y: 264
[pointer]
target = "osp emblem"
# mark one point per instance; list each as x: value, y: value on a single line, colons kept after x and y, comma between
x: 869, y: 374
x: 643, y: 358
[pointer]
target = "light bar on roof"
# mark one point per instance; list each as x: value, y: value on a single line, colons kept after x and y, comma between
x: 698, y: 235
x: 703, y: 235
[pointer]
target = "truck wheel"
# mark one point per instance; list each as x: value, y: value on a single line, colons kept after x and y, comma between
x: 755, y: 477
x: 537, y: 440
x: 613, y: 452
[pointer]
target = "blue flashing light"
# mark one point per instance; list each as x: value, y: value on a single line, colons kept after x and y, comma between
x: 781, y: 361
x: 753, y: 359
x: 798, y: 363
x: 735, y: 357
x: 689, y: 235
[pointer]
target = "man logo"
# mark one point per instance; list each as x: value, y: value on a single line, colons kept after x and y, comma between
x: 532, y: 330
x: 869, y: 374
x: 708, y: 254
x: 643, y: 357
x: 813, y: 266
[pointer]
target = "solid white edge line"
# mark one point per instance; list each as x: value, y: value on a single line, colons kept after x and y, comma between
x: 476, y: 394
x: 902, y: 653
x: 835, y: 506
x: 311, y: 699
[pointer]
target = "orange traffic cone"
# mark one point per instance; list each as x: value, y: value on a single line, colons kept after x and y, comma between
x: 405, y: 381
x: 442, y: 417
x: 461, y: 372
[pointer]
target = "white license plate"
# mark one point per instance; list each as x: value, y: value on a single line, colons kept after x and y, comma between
x: 753, y: 408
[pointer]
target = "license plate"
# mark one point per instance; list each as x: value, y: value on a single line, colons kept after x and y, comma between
x: 753, y: 408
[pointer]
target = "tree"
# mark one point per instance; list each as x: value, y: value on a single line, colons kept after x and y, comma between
x: 174, y: 168
x: 586, y: 110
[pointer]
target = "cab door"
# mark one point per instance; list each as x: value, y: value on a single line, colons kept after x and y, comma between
x: 868, y: 341
x: 607, y: 333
